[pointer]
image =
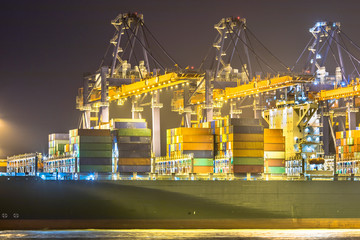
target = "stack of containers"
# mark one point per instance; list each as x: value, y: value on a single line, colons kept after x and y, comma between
x: 58, y: 144
x: 93, y: 149
x: 132, y: 145
x: 347, y: 150
x: 274, y: 151
x: 196, y: 141
x: 242, y: 142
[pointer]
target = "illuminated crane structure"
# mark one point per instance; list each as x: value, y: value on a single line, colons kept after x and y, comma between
x: 119, y: 81
x: 203, y: 92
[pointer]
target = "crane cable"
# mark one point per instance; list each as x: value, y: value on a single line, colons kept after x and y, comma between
x: 158, y: 43
x: 351, y: 59
x: 150, y: 54
x: 306, y: 47
x: 132, y: 47
x: 237, y: 51
x: 208, y: 52
x: 257, y: 59
x: 247, y: 29
x: 252, y: 50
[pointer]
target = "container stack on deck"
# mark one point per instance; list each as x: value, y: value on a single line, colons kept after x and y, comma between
x: 274, y: 151
x: 132, y: 145
x: 242, y: 143
x: 93, y: 149
x: 58, y: 144
x: 196, y: 141
x: 347, y: 151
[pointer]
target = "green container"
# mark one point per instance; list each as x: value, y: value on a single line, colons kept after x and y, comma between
x: 60, y: 147
x: 137, y: 132
x: 203, y: 162
x: 90, y: 153
x: 95, y: 146
x: 277, y: 170
x: 95, y: 168
x: 247, y: 160
x: 94, y: 139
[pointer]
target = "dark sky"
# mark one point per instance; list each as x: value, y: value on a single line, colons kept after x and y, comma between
x: 46, y: 46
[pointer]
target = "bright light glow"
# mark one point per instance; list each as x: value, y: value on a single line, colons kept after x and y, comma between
x: 90, y: 177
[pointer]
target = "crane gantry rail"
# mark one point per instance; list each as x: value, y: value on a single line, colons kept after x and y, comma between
x: 337, y: 93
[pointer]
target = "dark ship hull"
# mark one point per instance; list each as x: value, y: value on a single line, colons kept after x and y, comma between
x: 31, y: 203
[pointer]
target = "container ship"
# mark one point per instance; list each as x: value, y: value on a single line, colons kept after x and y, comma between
x: 252, y: 151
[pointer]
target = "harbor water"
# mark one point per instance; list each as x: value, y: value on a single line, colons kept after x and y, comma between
x: 185, y: 234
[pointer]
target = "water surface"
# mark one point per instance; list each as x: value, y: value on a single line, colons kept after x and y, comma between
x: 185, y: 234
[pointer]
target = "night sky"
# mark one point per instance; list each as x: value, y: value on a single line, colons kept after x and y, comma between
x: 47, y: 46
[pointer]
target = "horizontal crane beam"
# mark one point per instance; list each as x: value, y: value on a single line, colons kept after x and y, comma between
x: 349, y: 91
x: 256, y: 87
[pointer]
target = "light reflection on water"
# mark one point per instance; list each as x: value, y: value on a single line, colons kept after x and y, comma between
x: 185, y: 234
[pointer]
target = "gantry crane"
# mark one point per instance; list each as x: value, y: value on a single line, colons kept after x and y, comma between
x: 119, y: 81
x: 201, y: 91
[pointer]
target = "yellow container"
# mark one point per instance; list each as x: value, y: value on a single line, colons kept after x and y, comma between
x: 274, y: 155
x: 274, y: 147
x: 196, y: 138
x: 338, y: 135
x: 203, y: 169
x: 196, y: 146
x: 247, y: 153
x: 246, y: 145
x: 240, y: 137
x: 134, y: 161
x: 273, y: 132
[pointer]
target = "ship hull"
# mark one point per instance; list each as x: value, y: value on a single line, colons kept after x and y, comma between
x: 37, y: 204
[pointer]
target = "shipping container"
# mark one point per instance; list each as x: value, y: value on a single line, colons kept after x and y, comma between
x: 134, y: 168
x: 134, y: 161
x: 203, y: 169
x: 95, y: 161
x: 276, y: 170
x: 95, y: 168
x: 247, y: 153
x: 274, y: 147
x: 276, y: 162
x: 247, y: 161
x: 141, y: 132
x: 248, y: 168
x: 203, y: 161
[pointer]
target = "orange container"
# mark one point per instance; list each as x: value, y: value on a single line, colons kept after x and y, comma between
x: 134, y: 161
x: 203, y: 169
x: 196, y: 146
x: 356, y: 148
x: 246, y: 145
x: 273, y: 132
x: 338, y: 135
x: 239, y: 137
x: 276, y: 162
x: 274, y: 147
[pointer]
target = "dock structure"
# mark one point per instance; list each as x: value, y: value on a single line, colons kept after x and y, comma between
x: 25, y: 164
x: 299, y: 111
